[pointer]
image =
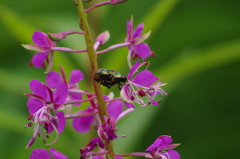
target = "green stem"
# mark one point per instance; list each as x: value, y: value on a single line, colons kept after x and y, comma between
x: 102, y: 110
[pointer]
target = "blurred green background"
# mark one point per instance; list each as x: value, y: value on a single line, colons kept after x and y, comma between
x: 198, y: 54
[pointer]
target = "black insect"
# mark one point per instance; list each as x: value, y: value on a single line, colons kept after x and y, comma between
x: 109, y: 78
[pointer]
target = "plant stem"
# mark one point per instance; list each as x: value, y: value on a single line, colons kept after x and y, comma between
x: 102, y: 110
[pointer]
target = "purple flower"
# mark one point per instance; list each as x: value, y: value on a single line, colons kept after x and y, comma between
x: 43, y: 46
x: 106, y: 133
x: 101, y: 39
x: 44, y: 154
x: 53, y: 78
x: 161, y: 149
x: 41, y: 102
x: 137, y: 49
x: 107, y: 130
x: 142, y: 85
x: 84, y: 152
x: 83, y: 124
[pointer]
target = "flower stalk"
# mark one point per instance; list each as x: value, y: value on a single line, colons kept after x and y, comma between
x: 49, y: 100
x: 102, y: 111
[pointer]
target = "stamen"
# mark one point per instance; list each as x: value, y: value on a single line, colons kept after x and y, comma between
x: 141, y: 93
x: 42, y: 134
x: 57, y: 136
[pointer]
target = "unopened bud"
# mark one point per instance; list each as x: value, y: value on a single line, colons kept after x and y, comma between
x: 60, y: 36
x: 57, y: 36
x: 114, y: 2
x: 103, y: 37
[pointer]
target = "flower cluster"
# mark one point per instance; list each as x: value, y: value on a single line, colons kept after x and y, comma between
x: 50, y: 103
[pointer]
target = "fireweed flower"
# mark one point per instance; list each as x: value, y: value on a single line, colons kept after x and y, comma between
x: 106, y: 133
x: 44, y: 154
x: 107, y: 130
x: 83, y: 124
x: 41, y: 102
x: 142, y: 85
x: 87, y: 151
x: 53, y: 78
x: 137, y: 49
x: 43, y: 46
x: 161, y: 149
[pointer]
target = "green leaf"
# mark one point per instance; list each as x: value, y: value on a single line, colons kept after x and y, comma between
x: 196, y: 62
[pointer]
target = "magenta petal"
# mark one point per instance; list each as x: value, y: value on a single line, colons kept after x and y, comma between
x: 129, y: 105
x: 163, y: 141
x: 40, y: 154
x: 38, y: 59
x: 145, y: 78
x: 171, y: 154
x: 115, y: 108
x: 154, y: 103
x: 57, y: 155
x: 34, y: 105
x: 50, y: 128
x: 126, y: 92
x: 61, y: 121
x: 105, y: 97
x: 39, y: 38
x: 143, y: 50
x: 32, y: 140
x: 53, y: 78
x: 138, y: 31
x: 61, y: 93
x: 39, y: 89
x: 160, y: 143
x: 75, y: 96
x: 129, y: 30
x: 76, y: 76
x: 134, y: 69
x: 98, y: 157
x: 82, y: 124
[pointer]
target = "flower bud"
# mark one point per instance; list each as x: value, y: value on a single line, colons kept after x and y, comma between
x: 57, y: 36
x: 60, y: 36
x: 103, y: 37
